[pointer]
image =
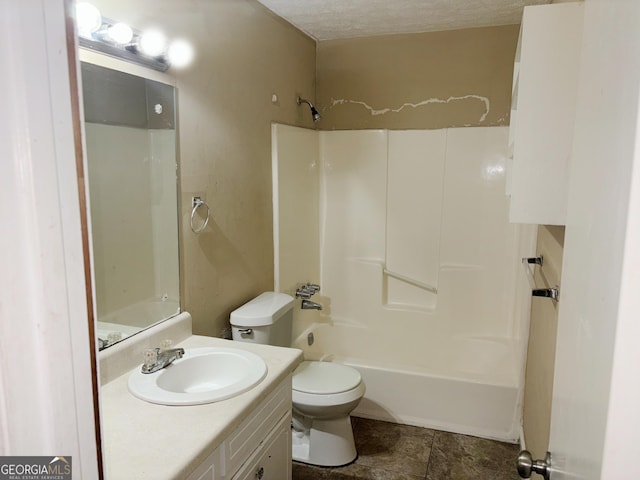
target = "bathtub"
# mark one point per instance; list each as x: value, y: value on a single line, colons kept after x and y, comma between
x: 477, y: 393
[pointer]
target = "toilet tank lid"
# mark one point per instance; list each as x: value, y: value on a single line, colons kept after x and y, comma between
x: 265, y: 309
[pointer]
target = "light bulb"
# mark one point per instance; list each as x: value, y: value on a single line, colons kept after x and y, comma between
x: 153, y: 43
x: 120, y: 33
x: 180, y: 53
x: 88, y: 18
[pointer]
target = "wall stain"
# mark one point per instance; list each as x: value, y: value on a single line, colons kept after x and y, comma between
x: 383, y: 111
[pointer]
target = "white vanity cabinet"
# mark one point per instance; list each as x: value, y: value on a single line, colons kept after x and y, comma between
x: 543, y: 112
x: 259, y: 448
x: 272, y: 460
x: 210, y: 469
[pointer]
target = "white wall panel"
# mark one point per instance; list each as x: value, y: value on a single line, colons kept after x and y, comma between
x: 478, y: 243
x: 296, y: 239
x: 354, y: 196
x: 415, y: 181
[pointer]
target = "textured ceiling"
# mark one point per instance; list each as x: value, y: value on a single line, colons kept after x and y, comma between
x: 330, y: 19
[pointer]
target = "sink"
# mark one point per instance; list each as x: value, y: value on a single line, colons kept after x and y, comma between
x: 202, y: 375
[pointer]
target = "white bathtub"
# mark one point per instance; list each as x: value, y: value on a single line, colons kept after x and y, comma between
x: 477, y: 393
x: 462, y: 384
x: 453, y: 405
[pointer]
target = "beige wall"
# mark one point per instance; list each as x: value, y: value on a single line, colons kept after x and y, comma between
x: 457, y: 78
x: 542, y: 343
x: 297, y: 215
x: 244, y: 55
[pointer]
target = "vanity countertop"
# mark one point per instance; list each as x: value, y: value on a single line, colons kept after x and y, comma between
x: 142, y: 440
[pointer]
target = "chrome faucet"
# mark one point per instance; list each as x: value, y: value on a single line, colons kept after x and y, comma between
x: 309, y: 305
x: 156, y: 359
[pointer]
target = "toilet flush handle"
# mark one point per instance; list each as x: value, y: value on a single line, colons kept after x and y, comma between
x: 245, y: 331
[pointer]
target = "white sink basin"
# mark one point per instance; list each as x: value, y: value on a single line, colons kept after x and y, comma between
x: 202, y: 375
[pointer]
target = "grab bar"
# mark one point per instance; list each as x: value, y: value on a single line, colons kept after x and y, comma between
x: 411, y: 281
x: 197, y: 202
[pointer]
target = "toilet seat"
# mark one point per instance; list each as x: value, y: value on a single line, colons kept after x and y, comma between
x: 328, y: 400
x: 325, y: 378
x: 323, y: 384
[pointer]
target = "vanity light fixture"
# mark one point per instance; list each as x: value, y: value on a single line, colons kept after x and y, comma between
x: 88, y: 18
x: 152, y: 43
x: 120, y: 33
x: 118, y: 39
x: 180, y: 53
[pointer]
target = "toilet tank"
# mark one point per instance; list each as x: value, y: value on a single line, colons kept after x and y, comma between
x: 266, y: 319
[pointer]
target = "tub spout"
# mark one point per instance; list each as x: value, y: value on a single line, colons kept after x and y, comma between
x: 309, y: 305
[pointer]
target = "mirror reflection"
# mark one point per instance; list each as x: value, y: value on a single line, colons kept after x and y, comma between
x: 132, y: 165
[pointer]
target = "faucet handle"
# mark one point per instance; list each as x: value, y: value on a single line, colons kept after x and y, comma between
x: 166, y: 344
x: 307, y: 291
x: 302, y: 292
x: 312, y: 287
x: 150, y: 357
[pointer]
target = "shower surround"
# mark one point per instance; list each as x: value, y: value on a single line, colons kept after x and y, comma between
x: 423, y: 289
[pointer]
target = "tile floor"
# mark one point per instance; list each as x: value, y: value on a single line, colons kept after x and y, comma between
x: 387, y: 451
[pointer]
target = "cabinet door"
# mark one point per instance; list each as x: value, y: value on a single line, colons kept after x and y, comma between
x: 272, y: 460
x: 545, y: 92
x: 209, y: 469
x: 257, y: 426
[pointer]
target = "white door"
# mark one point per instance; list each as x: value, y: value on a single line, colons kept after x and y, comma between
x: 595, y: 420
x: 46, y: 392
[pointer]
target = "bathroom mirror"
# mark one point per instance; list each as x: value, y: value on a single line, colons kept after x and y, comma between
x: 132, y: 166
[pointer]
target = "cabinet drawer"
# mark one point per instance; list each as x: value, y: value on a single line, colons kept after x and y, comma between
x: 253, y: 430
x: 272, y: 460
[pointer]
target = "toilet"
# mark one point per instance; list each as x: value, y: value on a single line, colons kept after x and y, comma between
x: 324, y: 394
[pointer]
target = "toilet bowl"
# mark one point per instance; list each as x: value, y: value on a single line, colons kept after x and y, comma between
x: 323, y: 393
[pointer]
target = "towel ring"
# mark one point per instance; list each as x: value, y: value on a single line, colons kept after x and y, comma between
x: 197, y: 203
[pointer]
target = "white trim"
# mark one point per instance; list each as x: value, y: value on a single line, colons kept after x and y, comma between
x: 275, y: 206
x: 523, y: 443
